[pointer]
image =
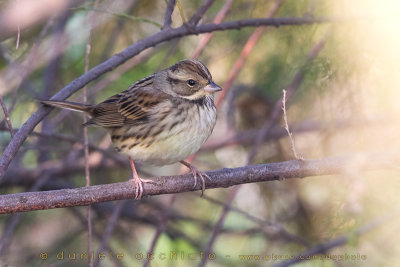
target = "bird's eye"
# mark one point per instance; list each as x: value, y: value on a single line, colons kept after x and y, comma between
x: 191, y: 82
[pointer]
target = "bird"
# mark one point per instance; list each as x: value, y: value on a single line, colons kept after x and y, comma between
x: 159, y: 120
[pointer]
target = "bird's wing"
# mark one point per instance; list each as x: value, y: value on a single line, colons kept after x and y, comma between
x: 127, y: 108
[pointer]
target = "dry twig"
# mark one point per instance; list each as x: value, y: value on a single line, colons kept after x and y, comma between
x: 286, y: 126
x: 85, y: 135
x: 168, y: 14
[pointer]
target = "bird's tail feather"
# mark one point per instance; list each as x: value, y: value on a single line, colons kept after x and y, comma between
x: 69, y: 105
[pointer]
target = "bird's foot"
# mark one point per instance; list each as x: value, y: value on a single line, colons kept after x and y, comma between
x: 196, y: 173
x: 139, y: 185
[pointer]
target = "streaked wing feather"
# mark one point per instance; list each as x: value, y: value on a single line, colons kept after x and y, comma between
x: 107, y: 120
x: 127, y: 108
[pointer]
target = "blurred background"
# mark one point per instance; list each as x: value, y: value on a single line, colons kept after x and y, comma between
x: 344, y: 79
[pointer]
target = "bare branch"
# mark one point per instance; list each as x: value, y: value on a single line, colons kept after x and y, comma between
x: 18, y: 36
x: 168, y: 14
x: 85, y: 133
x: 129, y: 52
x: 83, y: 196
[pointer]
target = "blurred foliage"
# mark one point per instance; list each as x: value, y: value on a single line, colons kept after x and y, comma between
x: 350, y: 91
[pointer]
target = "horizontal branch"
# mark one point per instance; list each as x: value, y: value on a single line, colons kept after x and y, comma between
x: 83, y: 196
x: 129, y: 52
x: 274, y: 22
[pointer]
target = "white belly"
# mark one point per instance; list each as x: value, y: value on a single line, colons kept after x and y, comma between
x: 170, y: 150
x: 182, y: 141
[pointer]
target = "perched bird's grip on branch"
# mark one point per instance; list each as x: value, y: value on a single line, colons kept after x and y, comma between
x: 226, y: 177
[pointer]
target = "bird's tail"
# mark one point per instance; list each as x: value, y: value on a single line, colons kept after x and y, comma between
x: 69, y: 105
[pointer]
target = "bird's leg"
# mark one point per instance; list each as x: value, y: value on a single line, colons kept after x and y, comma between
x: 196, y: 173
x: 137, y: 180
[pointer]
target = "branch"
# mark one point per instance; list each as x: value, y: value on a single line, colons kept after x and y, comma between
x: 128, y: 53
x: 168, y: 14
x: 29, y: 201
x: 286, y: 126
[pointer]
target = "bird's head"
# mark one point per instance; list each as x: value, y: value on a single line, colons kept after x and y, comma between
x: 189, y: 79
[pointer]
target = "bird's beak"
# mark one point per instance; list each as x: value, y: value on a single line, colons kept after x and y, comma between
x: 212, y: 87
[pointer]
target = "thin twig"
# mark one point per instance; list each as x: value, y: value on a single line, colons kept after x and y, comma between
x: 168, y: 14
x: 7, y: 116
x: 286, y: 126
x: 18, y: 36
x: 85, y: 135
x: 18, y: 33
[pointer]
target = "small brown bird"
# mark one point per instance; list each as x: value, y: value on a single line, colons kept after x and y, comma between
x: 161, y: 119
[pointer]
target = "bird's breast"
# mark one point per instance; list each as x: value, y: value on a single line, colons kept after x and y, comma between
x: 170, y: 135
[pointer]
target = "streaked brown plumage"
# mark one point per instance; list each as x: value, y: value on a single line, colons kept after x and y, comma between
x: 159, y: 120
